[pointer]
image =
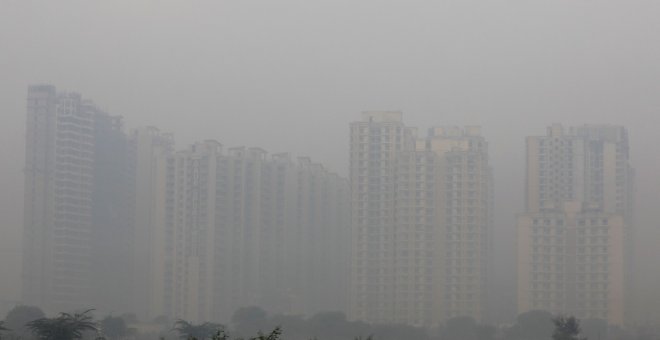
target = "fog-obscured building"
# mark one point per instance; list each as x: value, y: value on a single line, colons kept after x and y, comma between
x: 464, y: 207
x: 421, y: 222
x: 152, y: 151
x: 113, y: 201
x: 78, y: 217
x: 126, y: 224
x: 375, y: 144
x: 246, y: 228
x: 574, y: 238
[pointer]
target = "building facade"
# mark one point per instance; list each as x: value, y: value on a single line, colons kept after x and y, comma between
x: 574, y: 238
x: 421, y: 222
x: 152, y: 151
x: 464, y: 186
x: 77, y: 192
x: 375, y: 143
x: 127, y: 224
x: 245, y: 228
x: 113, y: 202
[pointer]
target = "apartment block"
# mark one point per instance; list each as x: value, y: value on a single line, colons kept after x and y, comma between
x: 574, y: 238
x: 77, y: 192
x: 245, y: 228
x: 464, y: 188
x: 152, y: 150
x: 421, y: 222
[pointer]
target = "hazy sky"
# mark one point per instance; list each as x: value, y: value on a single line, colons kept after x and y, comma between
x: 290, y: 75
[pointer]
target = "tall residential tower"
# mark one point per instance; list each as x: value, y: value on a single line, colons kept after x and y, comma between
x: 421, y: 214
x: 153, y: 170
x: 244, y: 228
x: 78, y: 217
x: 574, y: 238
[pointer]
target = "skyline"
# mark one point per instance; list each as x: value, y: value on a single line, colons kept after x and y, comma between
x: 421, y: 222
x: 243, y: 72
x: 177, y: 149
x: 130, y: 129
x: 452, y: 134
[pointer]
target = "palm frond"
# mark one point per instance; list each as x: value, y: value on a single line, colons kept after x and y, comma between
x: 64, y: 326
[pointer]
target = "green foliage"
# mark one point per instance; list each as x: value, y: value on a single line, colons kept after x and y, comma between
x: 20, y: 316
x: 326, y: 325
x: 161, y: 320
x: 532, y: 325
x: 203, y: 331
x: 220, y: 335
x: 273, y: 335
x: 597, y: 329
x: 460, y: 328
x: 486, y: 332
x: 296, y: 327
x: 249, y: 320
x: 566, y: 328
x: 115, y: 327
x: 130, y: 318
x: 2, y: 328
x: 395, y: 332
x: 64, y: 327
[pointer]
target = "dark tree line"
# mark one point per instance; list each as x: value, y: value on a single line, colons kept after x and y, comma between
x: 253, y: 323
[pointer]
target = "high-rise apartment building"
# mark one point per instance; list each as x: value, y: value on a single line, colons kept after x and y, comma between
x: 464, y: 191
x: 113, y: 202
x: 152, y: 151
x: 126, y: 224
x: 243, y: 228
x: 77, y: 203
x: 375, y: 144
x: 421, y: 222
x: 190, y: 229
x: 574, y: 238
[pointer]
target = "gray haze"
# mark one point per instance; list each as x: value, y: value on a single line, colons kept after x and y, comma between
x: 290, y: 75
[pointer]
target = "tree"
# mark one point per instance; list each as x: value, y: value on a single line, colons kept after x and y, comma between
x: 130, y: 318
x: 486, y: 332
x: 596, y: 329
x: 161, y: 320
x: 249, y: 320
x: 220, y: 335
x: 274, y: 335
x: 202, y: 331
x: 115, y: 327
x: 566, y: 328
x: 64, y: 327
x: 460, y: 328
x: 532, y: 325
x: 2, y: 327
x: 296, y: 326
x: 328, y: 325
x: 20, y: 316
